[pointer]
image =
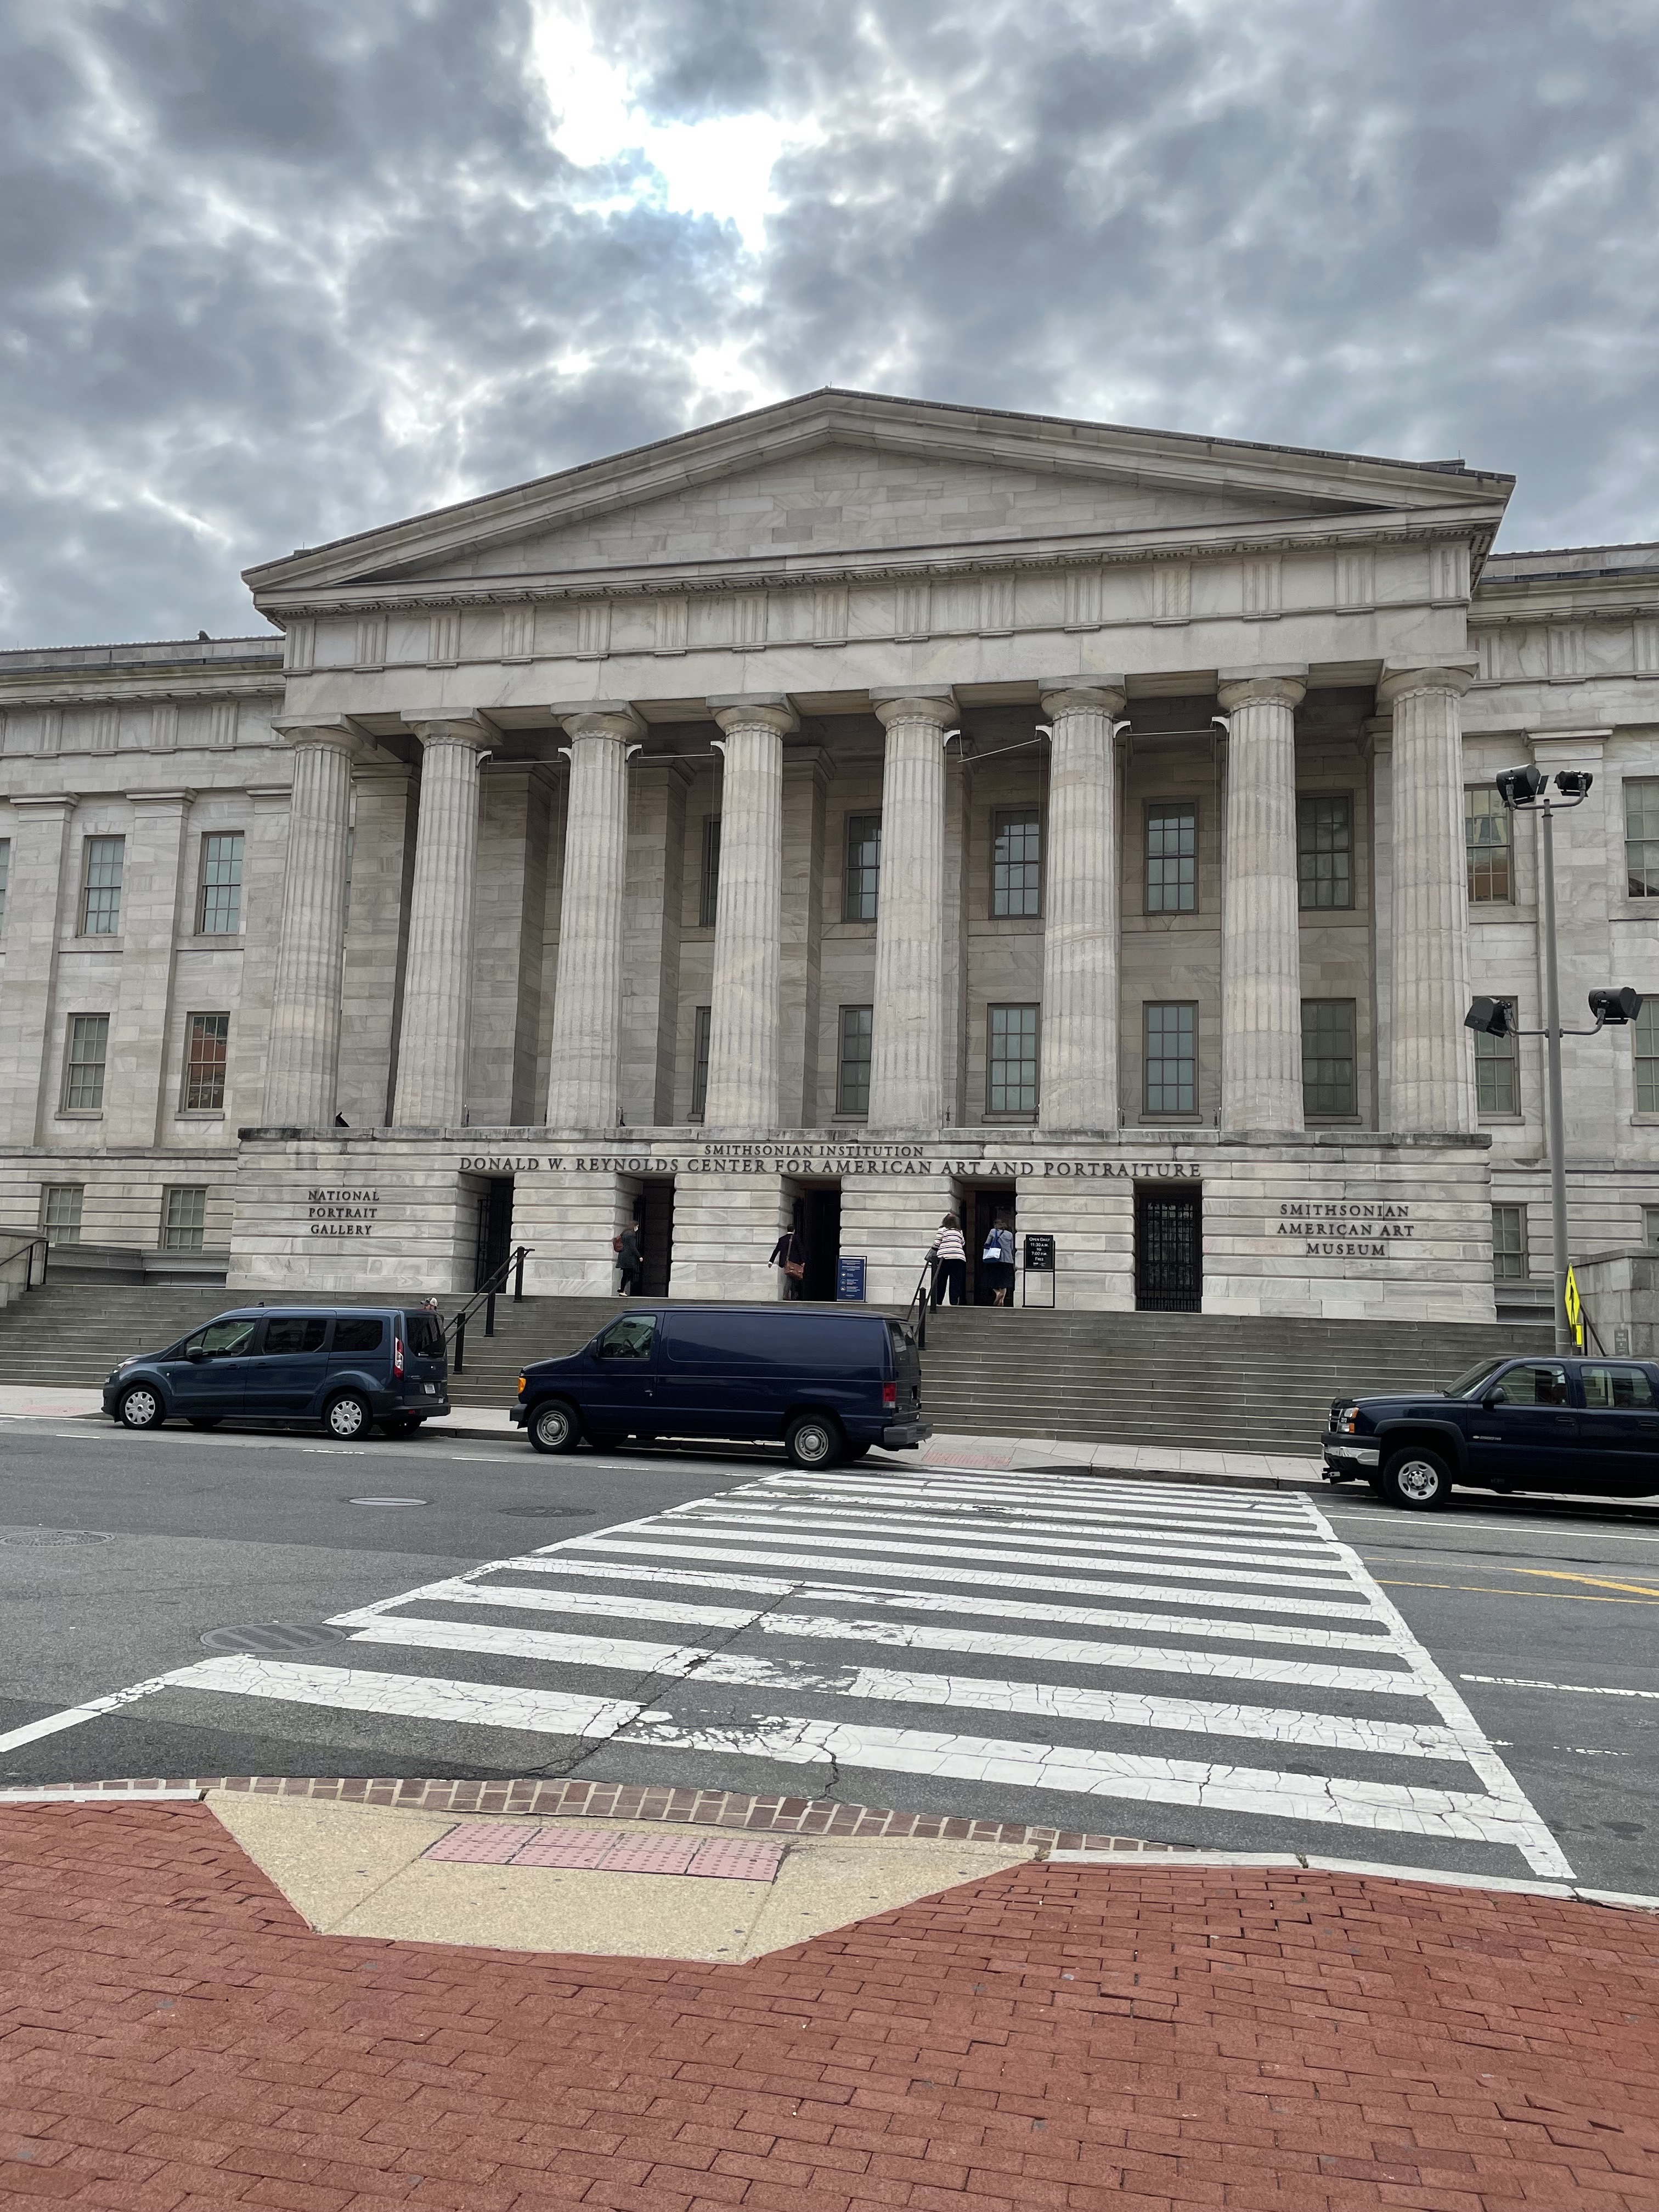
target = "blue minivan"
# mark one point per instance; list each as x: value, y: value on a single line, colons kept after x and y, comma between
x: 347, y: 1367
x: 828, y: 1382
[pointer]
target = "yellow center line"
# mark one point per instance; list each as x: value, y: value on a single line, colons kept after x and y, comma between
x: 1491, y: 1589
x: 1596, y: 1582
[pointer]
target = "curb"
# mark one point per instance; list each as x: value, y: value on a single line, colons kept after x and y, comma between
x: 1308, y: 1863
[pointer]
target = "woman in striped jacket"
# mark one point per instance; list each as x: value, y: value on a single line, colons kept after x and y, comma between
x: 950, y: 1257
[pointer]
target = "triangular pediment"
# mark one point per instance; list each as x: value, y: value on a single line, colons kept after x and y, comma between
x: 846, y: 478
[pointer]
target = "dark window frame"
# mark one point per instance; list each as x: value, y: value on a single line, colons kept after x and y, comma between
x: 211, y: 906
x: 860, y: 877
x: 1027, y: 1086
x: 1189, y: 1111
x: 855, y: 1061
x: 1491, y: 859
x: 1492, y: 1054
x: 1154, y: 812
x: 1505, y: 1248
x: 1017, y: 883
x: 708, y: 881
x: 1641, y: 836
x: 103, y: 883
x: 1350, y: 1112
x: 702, y: 1024
x: 202, y: 1093
x: 1310, y: 851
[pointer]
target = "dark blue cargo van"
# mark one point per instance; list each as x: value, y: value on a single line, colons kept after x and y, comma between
x: 828, y: 1382
x: 347, y: 1367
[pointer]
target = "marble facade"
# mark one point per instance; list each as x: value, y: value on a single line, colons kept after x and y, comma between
x: 549, y: 808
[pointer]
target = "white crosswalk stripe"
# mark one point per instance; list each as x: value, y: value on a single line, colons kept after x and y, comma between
x: 971, y: 1642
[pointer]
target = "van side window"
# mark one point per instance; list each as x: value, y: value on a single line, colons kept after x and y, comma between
x: 1611, y: 1390
x: 630, y: 1338
x: 295, y: 1333
x: 423, y: 1332
x: 358, y: 1336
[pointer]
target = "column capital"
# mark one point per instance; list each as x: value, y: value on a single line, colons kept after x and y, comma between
x: 1066, y: 695
x: 1454, y: 678
x: 1261, y: 687
x: 455, y: 730
x: 754, y: 710
x: 923, y: 702
x: 602, y: 718
x: 294, y: 730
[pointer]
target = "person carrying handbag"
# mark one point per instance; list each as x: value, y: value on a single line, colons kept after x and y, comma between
x: 789, y: 1253
x: 950, y: 1257
x: 997, y: 1263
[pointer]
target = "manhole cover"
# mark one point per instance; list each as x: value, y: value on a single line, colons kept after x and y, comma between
x: 30, y: 1539
x: 549, y: 1512
x: 385, y: 1501
x: 270, y: 1635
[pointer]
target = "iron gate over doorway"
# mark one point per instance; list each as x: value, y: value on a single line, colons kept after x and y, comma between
x: 1168, y: 1249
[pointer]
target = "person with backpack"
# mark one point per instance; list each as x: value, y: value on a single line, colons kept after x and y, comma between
x: 631, y: 1260
x: 950, y: 1257
x: 997, y: 1262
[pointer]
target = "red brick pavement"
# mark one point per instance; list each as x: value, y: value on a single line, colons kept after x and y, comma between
x: 1055, y: 2039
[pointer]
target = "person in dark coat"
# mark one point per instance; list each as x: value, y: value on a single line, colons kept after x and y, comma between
x: 631, y: 1260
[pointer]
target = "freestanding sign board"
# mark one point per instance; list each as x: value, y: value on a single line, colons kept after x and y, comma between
x: 1039, y: 1279
x: 849, y: 1279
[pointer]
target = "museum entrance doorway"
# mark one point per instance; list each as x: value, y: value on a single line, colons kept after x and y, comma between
x: 986, y: 1206
x: 653, y: 1217
x: 1169, y: 1249
x: 815, y: 1216
x: 493, y: 1247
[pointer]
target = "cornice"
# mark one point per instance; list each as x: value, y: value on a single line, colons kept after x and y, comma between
x: 933, y: 563
x: 1531, y: 599
x: 105, y: 689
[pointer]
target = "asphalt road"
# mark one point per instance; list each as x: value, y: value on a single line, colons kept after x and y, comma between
x: 1543, y: 1619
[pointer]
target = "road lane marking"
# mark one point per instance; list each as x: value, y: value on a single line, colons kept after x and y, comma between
x: 796, y: 1524
x: 1489, y: 1590
x: 72, y: 1716
x: 412, y: 1697
x: 1573, y: 1689
x: 1596, y: 1582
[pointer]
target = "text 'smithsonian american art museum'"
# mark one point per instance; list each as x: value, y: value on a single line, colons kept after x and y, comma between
x: 858, y: 811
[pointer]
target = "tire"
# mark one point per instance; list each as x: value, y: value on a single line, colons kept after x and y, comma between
x: 554, y: 1426
x: 348, y: 1417
x: 814, y: 1440
x: 203, y: 1420
x: 1418, y: 1479
x: 141, y: 1408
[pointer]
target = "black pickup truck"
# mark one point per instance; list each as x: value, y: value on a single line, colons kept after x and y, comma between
x: 1528, y: 1424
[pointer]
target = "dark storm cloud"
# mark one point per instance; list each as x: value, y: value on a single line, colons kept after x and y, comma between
x: 277, y: 273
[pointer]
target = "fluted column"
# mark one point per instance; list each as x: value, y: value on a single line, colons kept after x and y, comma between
x: 745, y: 1028
x: 584, y: 1088
x: 1260, y: 946
x: 1431, y: 1062
x: 303, y: 1066
x: 906, y: 1064
x: 1080, y: 910
x: 438, y: 965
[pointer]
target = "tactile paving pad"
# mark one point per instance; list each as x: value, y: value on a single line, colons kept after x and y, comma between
x: 737, y: 1858
x: 483, y: 1843
x: 515, y: 1842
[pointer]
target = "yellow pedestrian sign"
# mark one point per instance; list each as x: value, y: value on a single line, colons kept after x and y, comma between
x: 1574, y: 1309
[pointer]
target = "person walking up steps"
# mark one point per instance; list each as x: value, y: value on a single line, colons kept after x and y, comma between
x: 631, y: 1260
x: 997, y: 1262
x: 949, y: 1256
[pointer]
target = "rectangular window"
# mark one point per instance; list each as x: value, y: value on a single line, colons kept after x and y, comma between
x: 861, y: 885
x: 1016, y: 869
x: 221, y: 886
x: 5, y: 876
x: 1172, y: 857
x: 700, y: 1029
x: 184, y: 1216
x: 60, y: 1211
x: 1645, y: 1050
x: 1509, y: 1243
x: 100, y: 895
x: 1171, y: 1059
x: 708, y: 892
x: 1010, y: 1059
x: 1642, y: 836
x: 1486, y: 845
x: 206, y: 1049
x: 1650, y: 1224
x: 852, y: 1072
x: 291, y: 1333
x: 1497, y: 1071
x: 1330, y: 1088
x: 1616, y: 1389
x: 83, y: 1063
x: 357, y: 1335
x: 1324, y: 850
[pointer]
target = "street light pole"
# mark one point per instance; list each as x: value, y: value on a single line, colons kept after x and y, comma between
x: 1557, y: 1120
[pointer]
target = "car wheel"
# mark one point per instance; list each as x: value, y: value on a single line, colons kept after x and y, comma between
x: 814, y: 1440
x: 141, y: 1408
x: 1418, y: 1479
x: 554, y: 1426
x: 204, y: 1420
x: 348, y: 1417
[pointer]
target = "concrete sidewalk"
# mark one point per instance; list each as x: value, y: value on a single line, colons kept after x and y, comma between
x: 1074, y: 2038
x: 1260, y: 1470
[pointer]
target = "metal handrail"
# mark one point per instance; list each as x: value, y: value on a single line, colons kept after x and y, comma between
x: 28, y: 1246
x: 919, y: 1303
x: 485, y: 1296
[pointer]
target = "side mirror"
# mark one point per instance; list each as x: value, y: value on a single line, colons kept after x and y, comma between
x: 1498, y: 1395
x: 197, y: 1357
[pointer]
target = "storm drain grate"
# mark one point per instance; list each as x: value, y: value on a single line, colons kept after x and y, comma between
x: 268, y: 1636
x: 29, y: 1540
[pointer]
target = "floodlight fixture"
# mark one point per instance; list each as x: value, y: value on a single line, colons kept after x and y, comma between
x: 1574, y: 783
x: 1520, y: 786
x: 1612, y: 1009
x: 1491, y: 1017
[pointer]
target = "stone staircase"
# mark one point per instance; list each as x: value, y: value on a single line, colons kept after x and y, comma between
x: 1215, y: 1382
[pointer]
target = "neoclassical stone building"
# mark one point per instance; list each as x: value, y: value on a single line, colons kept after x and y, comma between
x: 856, y: 810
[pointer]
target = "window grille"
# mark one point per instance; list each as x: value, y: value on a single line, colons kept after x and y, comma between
x: 1486, y: 846
x: 1642, y: 836
x: 1324, y: 850
x: 1497, y: 1070
x: 1016, y: 863
x: 5, y: 876
x: 60, y: 1211
x: 100, y: 898
x: 1509, y: 1243
x: 1010, y: 1059
x: 700, y: 1033
x: 222, y: 885
x: 853, y: 1077
x: 1329, y: 1059
x: 206, y: 1052
x: 1172, y: 857
x: 184, y: 1217
x: 1171, y: 1056
x: 83, y: 1063
x: 1644, y: 1048
x: 862, y: 887
x: 709, y: 894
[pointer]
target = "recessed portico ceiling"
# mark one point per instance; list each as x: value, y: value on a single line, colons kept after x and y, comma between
x: 855, y: 482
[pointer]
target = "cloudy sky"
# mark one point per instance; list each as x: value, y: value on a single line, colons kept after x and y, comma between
x: 279, y: 270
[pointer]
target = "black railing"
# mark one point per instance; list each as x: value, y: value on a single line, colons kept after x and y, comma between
x: 918, y: 1304
x: 25, y: 1251
x: 485, y: 1296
